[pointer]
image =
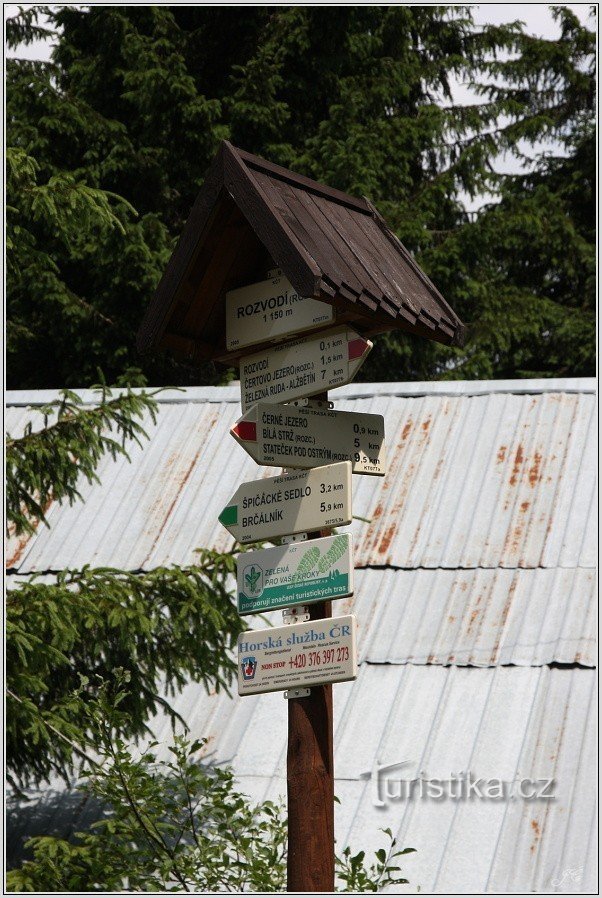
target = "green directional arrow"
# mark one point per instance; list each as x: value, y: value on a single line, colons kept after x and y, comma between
x: 229, y: 515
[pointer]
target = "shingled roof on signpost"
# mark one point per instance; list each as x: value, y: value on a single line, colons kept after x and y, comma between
x: 251, y: 215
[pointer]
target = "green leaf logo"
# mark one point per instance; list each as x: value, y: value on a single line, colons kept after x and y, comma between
x: 251, y: 580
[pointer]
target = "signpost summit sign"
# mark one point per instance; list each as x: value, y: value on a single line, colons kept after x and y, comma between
x: 304, y: 437
x: 270, y: 309
x: 291, y: 503
x: 298, y: 574
x: 302, y: 368
x: 297, y: 655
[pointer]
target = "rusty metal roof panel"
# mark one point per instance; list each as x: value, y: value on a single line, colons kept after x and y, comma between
x: 155, y: 510
x: 479, y: 617
x: 482, y: 481
x: 461, y: 612
x: 499, y: 723
x: 432, y: 723
x: 488, y: 480
x: 231, y: 392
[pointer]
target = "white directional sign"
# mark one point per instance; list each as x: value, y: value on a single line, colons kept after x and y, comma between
x: 299, y: 574
x: 297, y: 655
x: 304, y: 437
x: 269, y: 309
x: 302, y: 368
x: 291, y: 503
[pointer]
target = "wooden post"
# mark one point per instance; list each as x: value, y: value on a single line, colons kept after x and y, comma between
x: 310, y: 780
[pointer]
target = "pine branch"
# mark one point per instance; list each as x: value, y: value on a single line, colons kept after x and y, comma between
x: 23, y: 28
x: 74, y: 747
x: 165, y: 627
x: 45, y: 466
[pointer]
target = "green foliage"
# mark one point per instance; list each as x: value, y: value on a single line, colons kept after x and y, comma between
x: 45, y: 465
x: 166, y: 626
x: 50, y: 317
x: 524, y: 271
x: 24, y: 27
x: 352, y: 871
x: 137, y: 99
x: 90, y: 656
x: 165, y: 825
x: 175, y: 824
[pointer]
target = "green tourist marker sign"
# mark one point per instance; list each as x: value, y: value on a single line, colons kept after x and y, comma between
x: 298, y: 574
x: 297, y: 502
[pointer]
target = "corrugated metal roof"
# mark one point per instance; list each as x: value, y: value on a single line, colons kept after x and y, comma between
x: 477, y: 617
x: 480, y: 553
x: 231, y: 392
x: 480, y: 618
x: 498, y: 723
x: 491, y: 480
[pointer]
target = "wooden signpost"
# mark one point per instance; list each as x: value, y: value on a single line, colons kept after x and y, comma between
x: 304, y: 437
x: 302, y: 368
x: 312, y: 650
x: 350, y: 272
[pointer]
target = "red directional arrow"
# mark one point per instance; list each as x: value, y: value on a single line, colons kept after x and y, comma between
x: 357, y: 348
x: 246, y: 431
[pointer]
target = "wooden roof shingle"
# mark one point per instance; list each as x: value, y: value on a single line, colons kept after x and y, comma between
x: 251, y: 215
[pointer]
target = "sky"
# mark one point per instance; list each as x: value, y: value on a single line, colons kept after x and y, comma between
x: 536, y: 17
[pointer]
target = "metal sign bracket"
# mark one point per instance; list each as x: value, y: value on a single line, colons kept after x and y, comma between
x: 296, y: 538
x: 296, y: 693
x: 298, y: 614
x: 312, y: 403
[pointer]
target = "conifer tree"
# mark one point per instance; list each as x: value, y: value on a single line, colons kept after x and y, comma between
x: 136, y: 100
x: 164, y: 626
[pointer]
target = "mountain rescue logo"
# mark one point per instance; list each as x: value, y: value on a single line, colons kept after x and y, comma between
x: 249, y: 667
